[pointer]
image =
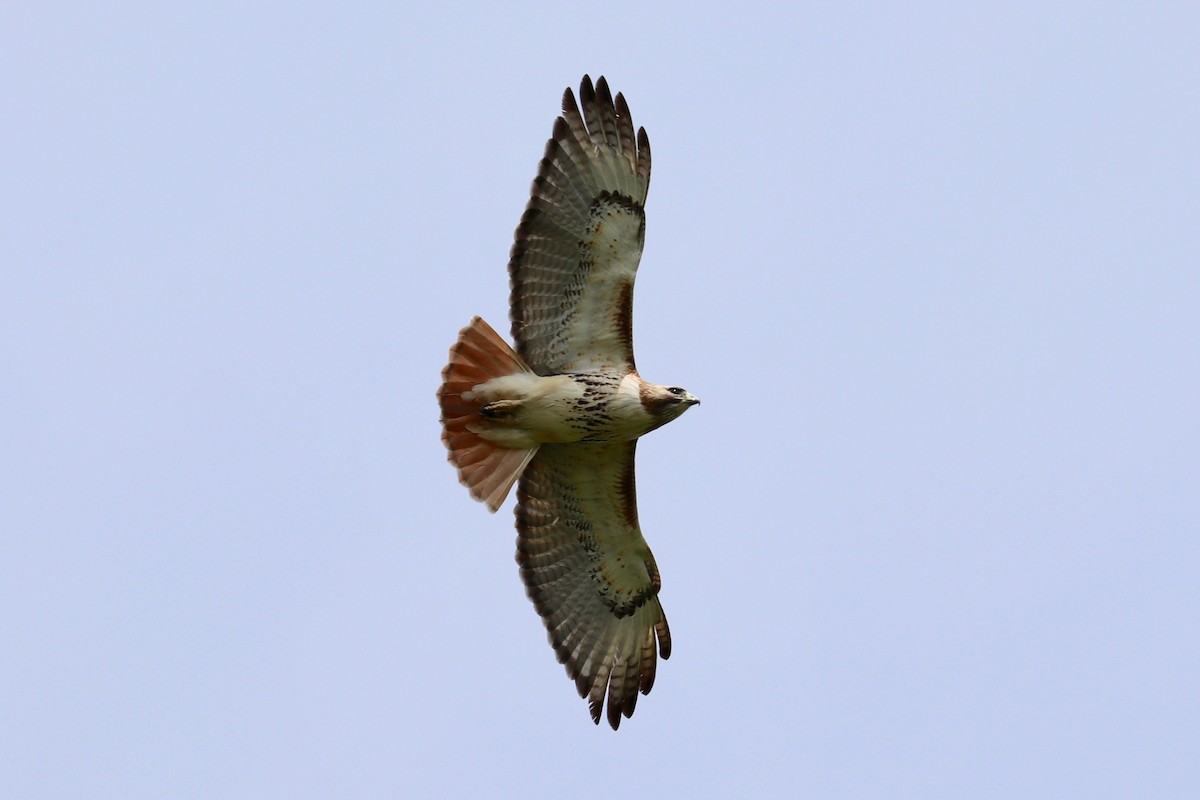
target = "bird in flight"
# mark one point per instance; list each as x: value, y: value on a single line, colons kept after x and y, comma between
x: 562, y: 412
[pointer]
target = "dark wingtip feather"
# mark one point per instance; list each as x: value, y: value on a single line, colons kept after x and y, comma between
x: 559, y: 132
x: 643, y: 161
x: 622, y: 106
x: 594, y: 706
x: 603, y: 93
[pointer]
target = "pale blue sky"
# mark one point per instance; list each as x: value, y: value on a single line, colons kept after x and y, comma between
x: 934, y: 270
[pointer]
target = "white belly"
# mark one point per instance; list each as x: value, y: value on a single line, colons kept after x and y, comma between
x: 530, y: 410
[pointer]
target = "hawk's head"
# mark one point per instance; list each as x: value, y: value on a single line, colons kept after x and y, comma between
x: 665, y: 403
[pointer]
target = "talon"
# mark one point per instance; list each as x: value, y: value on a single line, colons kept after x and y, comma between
x: 498, y: 409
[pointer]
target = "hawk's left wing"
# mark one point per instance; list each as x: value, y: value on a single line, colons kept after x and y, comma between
x: 590, y: 573
x: 578, y: 246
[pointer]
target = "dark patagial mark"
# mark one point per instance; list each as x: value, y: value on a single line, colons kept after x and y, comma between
x: 628, y: 488
x: 624, y: 321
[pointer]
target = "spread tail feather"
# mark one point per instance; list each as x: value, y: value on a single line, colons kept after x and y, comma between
x: 485, y: 468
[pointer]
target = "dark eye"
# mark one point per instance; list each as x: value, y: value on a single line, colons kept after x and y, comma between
x: 675, y: 390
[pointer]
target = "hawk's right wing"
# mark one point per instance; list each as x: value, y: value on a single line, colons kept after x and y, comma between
x: 590, y: 573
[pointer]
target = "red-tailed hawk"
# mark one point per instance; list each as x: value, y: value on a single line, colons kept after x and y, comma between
x: 564, y: 411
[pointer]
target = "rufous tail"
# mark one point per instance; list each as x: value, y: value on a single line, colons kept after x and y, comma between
x: 486, y: 469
